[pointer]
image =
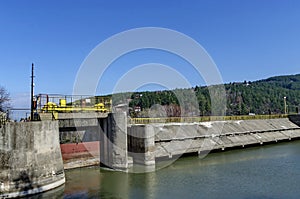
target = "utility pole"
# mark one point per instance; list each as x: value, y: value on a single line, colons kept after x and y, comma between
x: 32, y: 86
x: 284, y: 99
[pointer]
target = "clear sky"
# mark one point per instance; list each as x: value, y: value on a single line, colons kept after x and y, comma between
x: 248, y: 40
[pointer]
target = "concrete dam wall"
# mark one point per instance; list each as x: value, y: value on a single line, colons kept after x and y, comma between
x: 30, y: 157
x: 151, y: 141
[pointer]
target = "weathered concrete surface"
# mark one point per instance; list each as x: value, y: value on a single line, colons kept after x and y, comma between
x: 88, y: 134
x: 77, y: 122
x: 113, y: 147
x: 141, y: 145
x: 30, y: 157
x: 172, y: 139
x: 80, y: 162
x: 46, y: 116
x: 82, y: 115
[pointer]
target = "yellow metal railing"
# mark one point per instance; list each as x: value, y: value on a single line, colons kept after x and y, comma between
x: 201, y: 119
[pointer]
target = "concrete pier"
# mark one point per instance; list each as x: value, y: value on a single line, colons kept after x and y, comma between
x: 113, y: 147
x: 141, y: 144
x: 30, y: 157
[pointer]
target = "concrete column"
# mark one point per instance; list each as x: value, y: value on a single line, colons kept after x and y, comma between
x: 142, y: 146
x: 30, y: 158
x: 149, y: 144
x: 113, y: 150
x: 104, y: 161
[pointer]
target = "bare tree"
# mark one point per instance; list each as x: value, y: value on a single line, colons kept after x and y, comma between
x: 4, y: 98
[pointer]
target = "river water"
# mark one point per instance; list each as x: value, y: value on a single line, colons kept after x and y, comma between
x: 270, y: 171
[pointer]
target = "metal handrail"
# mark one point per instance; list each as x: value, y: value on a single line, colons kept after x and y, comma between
x: 202, y: 119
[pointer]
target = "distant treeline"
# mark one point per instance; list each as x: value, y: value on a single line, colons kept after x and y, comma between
x: 242, y: 98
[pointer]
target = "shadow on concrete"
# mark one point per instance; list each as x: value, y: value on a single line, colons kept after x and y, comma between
x: 295, y: 119
x: 23, y: 182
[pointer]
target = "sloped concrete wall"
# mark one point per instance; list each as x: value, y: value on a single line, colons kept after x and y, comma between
x: 172, y: 139
x: 30, y: 158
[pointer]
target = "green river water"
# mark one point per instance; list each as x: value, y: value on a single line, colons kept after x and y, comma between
x: 270, y: 171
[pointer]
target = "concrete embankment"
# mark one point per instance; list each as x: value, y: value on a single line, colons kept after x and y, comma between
x: 31, y: 160
x: 152, y: 141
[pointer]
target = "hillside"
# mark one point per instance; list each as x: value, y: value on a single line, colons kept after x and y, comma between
x: 257, y: 97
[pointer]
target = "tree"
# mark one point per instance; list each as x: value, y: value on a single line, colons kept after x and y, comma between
x: 4, y: 98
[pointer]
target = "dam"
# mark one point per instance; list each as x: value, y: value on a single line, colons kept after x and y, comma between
x: 175, y: 139
x: 26, y: 148
x: 123, y: 143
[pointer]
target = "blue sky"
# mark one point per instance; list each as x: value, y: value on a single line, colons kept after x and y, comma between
x: 248, y: 40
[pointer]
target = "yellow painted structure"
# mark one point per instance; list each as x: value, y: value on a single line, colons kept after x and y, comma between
x: 64, y: 108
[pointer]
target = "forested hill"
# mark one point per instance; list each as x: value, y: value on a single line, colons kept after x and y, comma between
x: 264, y: 96
x: 289, y: 81
x: 257, y: 97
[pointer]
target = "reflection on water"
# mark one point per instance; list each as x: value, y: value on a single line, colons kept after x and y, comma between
x: 271, y: 171
x: 52, y: 194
